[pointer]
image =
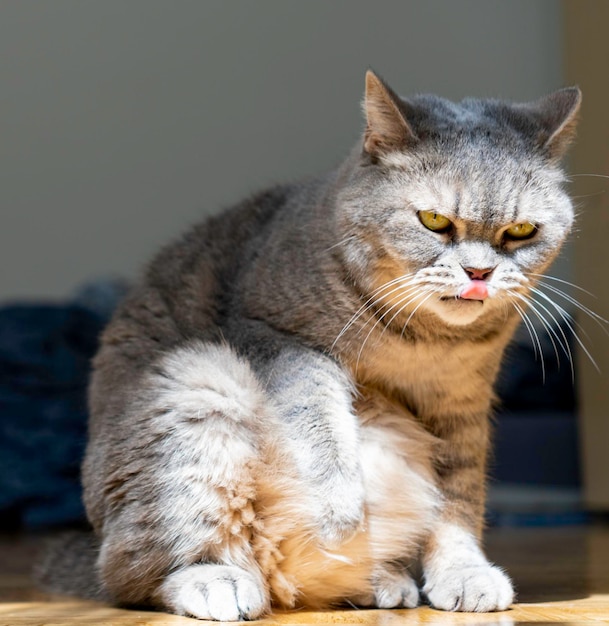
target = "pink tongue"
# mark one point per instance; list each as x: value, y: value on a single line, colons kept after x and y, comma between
x: 476, y: 290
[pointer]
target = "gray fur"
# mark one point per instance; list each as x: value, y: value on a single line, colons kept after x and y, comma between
x: 240, y: 381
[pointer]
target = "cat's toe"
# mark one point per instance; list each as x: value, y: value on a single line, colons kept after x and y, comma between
x: 478, y: 589
x: 395, y: 589
x: 215, y: 592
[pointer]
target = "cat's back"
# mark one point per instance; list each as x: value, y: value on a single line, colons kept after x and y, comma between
x: 183, y: 294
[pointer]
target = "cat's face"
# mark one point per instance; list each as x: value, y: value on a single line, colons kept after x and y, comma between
x: 458, y: 222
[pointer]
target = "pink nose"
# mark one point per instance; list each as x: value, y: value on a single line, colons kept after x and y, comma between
x: 478, y: 274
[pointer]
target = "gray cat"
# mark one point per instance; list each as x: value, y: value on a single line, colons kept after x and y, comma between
x: 292, y: 407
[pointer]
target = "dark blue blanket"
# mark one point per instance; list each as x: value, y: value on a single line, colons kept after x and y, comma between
x: 45, y: 353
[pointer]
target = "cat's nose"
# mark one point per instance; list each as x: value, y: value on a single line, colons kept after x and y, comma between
x: 475, y: 273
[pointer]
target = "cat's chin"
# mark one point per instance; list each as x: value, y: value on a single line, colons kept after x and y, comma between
x: 458, y: 311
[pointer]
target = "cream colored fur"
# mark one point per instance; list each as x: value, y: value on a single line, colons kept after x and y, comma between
x: 266, y: 531
x: 292, y: 405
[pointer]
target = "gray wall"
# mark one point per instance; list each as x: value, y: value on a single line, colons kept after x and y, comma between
x: 125, y: 120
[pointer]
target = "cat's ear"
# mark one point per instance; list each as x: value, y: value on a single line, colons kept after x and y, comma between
x: 387, y: 129
x: 557, y: 113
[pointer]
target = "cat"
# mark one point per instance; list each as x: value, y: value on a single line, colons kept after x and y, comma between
x: 291, y: 408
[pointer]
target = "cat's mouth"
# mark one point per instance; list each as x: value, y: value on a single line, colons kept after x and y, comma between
x: 460, y: 300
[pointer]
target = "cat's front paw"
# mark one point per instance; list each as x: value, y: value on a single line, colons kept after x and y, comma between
x: 393, y: 587
x: 476, y: 588
x: 341, y: 514
x: 217, y: 592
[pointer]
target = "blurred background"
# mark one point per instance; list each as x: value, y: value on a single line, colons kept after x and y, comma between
x: 125, y: 121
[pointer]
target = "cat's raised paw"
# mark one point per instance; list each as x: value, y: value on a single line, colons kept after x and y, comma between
x: 217, y: 592
x: 478, y: 588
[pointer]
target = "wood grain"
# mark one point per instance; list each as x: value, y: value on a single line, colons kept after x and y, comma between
x: 562, y: 577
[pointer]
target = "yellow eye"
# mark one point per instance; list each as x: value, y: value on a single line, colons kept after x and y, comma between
x: 521, y: 231
x: 434, y: 221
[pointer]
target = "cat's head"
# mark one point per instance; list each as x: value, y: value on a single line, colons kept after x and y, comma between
x: 454, y: 208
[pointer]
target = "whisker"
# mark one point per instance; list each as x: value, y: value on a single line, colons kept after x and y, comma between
x: 341, y: 243
x: 404, y: 300
x: 371, y: 302
x: 560, y: 280
x: 528, y: 325
x: 415, y: 310
x: 552, y: 333
x: 424, y: 289
x: 534, y: 335
x: 571, y: 323
x: 589, y: 175
x: 584, y: 309
x: 402, y: 303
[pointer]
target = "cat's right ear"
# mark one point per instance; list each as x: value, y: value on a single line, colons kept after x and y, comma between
x: 387, y: 129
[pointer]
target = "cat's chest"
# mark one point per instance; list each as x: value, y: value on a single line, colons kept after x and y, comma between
x: 431, y: 378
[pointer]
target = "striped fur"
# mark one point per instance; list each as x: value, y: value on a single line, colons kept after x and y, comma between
x: 292, y: 406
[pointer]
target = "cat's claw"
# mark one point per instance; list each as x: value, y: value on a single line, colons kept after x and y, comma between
x: 478, y: 588
x: 216, y: 592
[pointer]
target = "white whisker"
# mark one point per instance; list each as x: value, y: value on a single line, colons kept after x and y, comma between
x: 341, y: 243
x: 590, y: 175
x: 584, y: 309
x: 560, y: 280
x: 533, y: 333
x: 415, y: 310
x: 571, y: 323
x: 404, y: 281
x: 552, y: 333
x: 403, y: 302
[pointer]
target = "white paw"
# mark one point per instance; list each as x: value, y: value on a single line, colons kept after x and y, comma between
x: 341, y: 514
x: 393, y: 588
x: 218, y: 592
x: 478, y: 588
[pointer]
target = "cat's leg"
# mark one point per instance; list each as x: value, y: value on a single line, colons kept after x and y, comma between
x: 313, y: 397
x: 181, y: 485
x: 458, y: 576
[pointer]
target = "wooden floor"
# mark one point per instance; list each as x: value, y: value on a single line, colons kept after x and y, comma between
x: 562, y: 577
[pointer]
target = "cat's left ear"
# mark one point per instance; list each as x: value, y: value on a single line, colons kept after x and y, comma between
x: 557, y: 114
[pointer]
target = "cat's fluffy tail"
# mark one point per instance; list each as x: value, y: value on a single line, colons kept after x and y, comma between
x: 69, y: 566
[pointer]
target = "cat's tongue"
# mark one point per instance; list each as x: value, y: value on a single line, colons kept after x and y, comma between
x: 476, y: 290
